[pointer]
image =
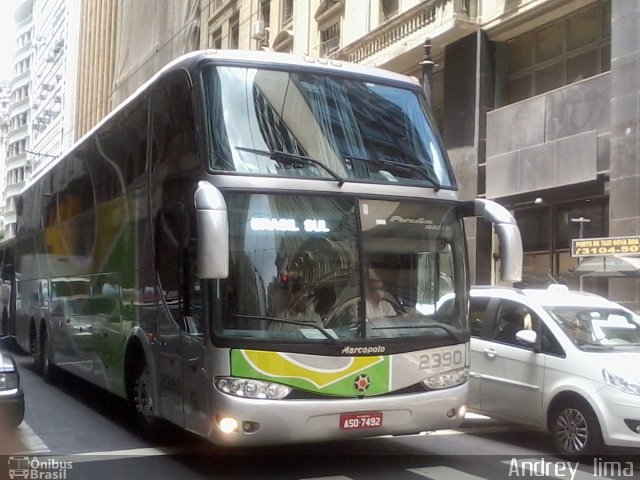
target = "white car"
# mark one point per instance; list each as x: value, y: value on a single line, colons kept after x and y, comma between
x: 11, y: 395
x: 559, y: 360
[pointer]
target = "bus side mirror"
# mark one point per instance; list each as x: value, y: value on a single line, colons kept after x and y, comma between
x: 511, y: 256
x: 213, y: 232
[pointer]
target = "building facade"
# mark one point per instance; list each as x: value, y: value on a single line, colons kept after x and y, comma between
x: 52, y: 79
x: 5, y: 96
x: 18, y: 162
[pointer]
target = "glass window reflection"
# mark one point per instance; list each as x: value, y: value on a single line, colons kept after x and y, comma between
x: 359, y: 129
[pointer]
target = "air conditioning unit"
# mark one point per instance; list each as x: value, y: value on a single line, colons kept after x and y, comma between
x: 258, y: 30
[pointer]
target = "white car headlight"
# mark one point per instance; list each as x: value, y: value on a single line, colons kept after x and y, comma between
x: 448, y: 379
x: 244, y: 387
x: 8, y: 381
x: 620, y: 383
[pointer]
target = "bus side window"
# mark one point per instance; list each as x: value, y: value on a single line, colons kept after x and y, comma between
x: 174, y: 147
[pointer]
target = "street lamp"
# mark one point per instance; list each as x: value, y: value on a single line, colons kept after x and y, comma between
x: 537, y: 201
x: 427, y: 69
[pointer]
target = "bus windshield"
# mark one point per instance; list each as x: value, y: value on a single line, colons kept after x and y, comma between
x: 310, y: 124
x: 319, y: 268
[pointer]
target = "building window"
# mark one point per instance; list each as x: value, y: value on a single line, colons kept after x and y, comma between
x: 388, y: 8
x: 329, y: 15
x: 218, y: 4
x: 547, y: 232
x: 234, y: 32
x: 330, y: 40
x: 557, y: 54
x: 265, y: 12
x: 287, y: 11
x: 216, y: 38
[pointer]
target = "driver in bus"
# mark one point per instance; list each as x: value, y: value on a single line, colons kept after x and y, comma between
x: 377, y: 306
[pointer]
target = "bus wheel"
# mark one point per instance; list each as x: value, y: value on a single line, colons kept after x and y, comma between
x: 143, y: 399
x: 47, y: 368
x: 34, y: 344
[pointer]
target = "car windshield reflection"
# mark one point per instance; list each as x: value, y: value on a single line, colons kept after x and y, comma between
x: 587, y: 327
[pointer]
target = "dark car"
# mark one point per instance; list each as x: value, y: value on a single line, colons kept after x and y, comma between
x: 11, y: 395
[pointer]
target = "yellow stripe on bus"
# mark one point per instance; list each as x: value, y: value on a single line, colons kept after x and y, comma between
x: 277, y: 364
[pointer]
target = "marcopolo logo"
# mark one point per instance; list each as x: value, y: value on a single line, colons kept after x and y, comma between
x: 363, y: 350
x: 34, y: 468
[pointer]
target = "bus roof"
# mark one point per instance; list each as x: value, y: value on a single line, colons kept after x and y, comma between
x: 288, y: 59
x: 257, y: 57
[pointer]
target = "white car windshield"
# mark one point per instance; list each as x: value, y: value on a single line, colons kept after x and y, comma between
x: 590, y: 328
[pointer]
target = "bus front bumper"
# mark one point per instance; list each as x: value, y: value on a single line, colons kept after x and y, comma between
x: 271, y: 422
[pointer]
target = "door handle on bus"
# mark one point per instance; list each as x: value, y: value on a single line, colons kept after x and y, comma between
x: 490, y: 352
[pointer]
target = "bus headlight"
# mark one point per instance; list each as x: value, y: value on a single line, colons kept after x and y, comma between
x: 243, y: 387
x: 448, y: 379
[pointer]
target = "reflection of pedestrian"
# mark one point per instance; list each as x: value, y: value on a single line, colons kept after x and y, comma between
x: 299, y: 308
x: 324, y: 297
x: 377, y: 306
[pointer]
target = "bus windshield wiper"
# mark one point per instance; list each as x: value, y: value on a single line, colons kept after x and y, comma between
x: 293, y: 322
x: 291, y: 159
x: 447, y: 328
x: 421, y: 169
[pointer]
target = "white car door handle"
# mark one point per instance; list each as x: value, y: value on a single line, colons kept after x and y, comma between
x: 490, y: 352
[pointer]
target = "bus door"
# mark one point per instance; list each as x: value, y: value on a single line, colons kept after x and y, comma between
x: 183, y: 377
x: 169, y: 336
x: 175, y: 166
x: 195, y: 379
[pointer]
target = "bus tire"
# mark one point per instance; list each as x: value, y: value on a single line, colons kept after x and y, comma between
x: 47, y: 368
x: 34, y: 346
x: 143, y: 402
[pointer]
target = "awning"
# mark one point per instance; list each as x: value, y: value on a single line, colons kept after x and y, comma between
x: 608, y: 266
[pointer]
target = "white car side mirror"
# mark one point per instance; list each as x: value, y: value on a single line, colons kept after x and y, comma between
x: 527, y: 336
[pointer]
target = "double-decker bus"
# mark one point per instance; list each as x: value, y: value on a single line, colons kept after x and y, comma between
x: 210, y: 249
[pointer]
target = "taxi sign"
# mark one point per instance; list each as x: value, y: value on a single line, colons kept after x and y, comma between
x: 586, y: 247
